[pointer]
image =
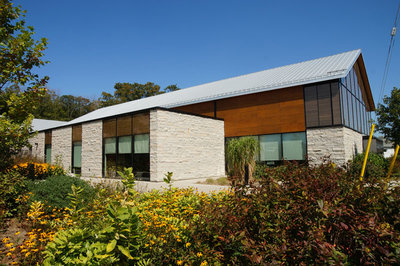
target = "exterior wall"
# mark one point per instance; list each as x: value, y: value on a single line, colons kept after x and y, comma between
x: 37, y: 143
x: 61, y: 147
x: 92, y: 149
x: 189, y: 146
x: 353, y: 143
x: 277, y: 111
x: 339, y: 143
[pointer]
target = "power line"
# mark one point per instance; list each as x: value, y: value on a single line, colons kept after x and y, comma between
x: 389, y: 55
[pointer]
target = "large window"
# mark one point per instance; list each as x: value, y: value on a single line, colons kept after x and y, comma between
x: 277, y: 147
x: 322, y: 104
x: 76, y: 149
x: 126, y: 144
x: 47, y: 147
x: 354, y: 113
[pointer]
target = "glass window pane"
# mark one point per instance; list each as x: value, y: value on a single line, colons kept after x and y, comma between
x: 125, y: 144
x: 311, y: 106
x: 47, y: 153
x: 335, y: 103
x: 270, y: 147
x: 142, y: 144
x: 110, y: 146
x: 77, y: 154
x: 324, y: 104
x: 294, y: 146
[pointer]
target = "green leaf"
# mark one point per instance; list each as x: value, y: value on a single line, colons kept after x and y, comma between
x: 111, y: 246
x: 125, y: 252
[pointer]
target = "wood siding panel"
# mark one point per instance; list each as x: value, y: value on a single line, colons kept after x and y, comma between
x: 206, y: 108
x: 277, y: 111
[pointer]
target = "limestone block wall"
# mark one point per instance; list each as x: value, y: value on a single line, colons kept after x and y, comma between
x: 339, y: 143
x: 353, y: 143
x: 61, y: 147
x: 37, y: 143
x: 189, y: 146
x: 92, y: 149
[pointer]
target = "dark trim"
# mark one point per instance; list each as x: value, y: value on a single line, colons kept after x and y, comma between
x: 185, y: 113
x: 215, y: 109
x: 330, y: 98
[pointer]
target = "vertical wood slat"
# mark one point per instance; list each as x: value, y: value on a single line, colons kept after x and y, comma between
x: 47, y: 137
x: 141, y: 123
x: 109, y: 127
x: 76, y: 133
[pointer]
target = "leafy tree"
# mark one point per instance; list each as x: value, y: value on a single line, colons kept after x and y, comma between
x: 20, y: 53
x: 389, y: 116
x: 125, y: 92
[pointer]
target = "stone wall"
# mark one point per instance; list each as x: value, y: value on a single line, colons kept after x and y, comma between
x: 61, y: 147
x: 92, y: 149
x: 340, y: 144
x: 353, y: 143
x: 189, y: 146
x: 37, y: 149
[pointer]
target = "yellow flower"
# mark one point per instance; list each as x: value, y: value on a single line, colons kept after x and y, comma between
x: 5, y: 240
x: 17, y: 233
x: 188, y: 245
x: 204, y: 263
x: 27, y: 254
x: 179, y: 262
x: 9, y: 254
x: 199, y: 254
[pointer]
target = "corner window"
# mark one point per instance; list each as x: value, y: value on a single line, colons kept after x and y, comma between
x: 77, y: 149
x: 47, y: 146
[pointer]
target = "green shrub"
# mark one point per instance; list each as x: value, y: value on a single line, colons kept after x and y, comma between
x: 11, y: 187
x: 377, y: 165
x: 320, y: 215
x: 38, y: 171
x: 54, y: 190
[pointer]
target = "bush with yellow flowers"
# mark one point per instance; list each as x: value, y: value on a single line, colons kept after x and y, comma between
x: 37, y: 171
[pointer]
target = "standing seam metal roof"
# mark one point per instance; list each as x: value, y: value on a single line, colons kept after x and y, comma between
x: 317, y: 70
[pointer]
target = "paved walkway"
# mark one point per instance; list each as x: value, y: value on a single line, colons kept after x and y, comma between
x: 143, y: 186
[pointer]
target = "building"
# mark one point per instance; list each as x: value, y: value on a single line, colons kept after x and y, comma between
x: 308, y: 110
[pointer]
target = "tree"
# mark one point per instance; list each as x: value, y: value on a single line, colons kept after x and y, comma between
x: 20, y: 53
x: 388, y: 115
x: 125, y: 92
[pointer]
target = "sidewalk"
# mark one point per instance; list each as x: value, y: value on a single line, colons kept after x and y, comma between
x: 143, y: 186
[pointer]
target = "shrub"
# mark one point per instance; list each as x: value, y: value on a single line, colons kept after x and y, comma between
x: 241, y: 155
x: 311, y: 216
x: 377, y: 165
x: 54, y: 190
x: 11, y: 187
x: 38, y: 171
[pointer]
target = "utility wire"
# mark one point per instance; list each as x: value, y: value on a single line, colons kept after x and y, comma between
x: 389, y: 55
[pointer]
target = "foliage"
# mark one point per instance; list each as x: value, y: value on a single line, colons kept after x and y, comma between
x: 377, y: 165
x: 38, y: 171
x: 388, y: 115
x: 241, y: 154
x: 168, y: 179
x: 20, y: 53
x: 11, y: 188
x: 54, y: 190
x: 63, y: 107
x: 319, y: 215
x: 128, y: 178
x: 125, y: 92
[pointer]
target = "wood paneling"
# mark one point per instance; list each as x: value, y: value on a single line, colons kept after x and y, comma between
x: 47, y: 137
x: 109, y: 127
x: 124, y: 126
x: 141, y: 123
x: 206, y: 108
x: 269, y: 112
x: 76, y: 133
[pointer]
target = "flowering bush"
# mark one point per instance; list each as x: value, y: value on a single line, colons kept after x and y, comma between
x: 37, y: 171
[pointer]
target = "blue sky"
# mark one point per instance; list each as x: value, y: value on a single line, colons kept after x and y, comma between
x: 95, y: 43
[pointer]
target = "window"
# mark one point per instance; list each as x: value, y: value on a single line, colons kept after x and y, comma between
x: 47, y: 147
x: 322, y: 104
x: 76, y: 149
x: 77, y: 157
x: 294, y: 146
x: 126, y: 144
x: 270, y: 147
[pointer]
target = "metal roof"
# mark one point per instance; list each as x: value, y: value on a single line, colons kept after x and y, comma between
x: 43, y: 124
x: 317, y: 70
